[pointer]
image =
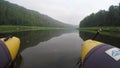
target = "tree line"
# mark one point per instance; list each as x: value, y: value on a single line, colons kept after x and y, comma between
x: 103, y: 18
x: 12, y: 14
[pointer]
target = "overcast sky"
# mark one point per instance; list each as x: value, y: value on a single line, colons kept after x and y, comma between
x: 67, y: 11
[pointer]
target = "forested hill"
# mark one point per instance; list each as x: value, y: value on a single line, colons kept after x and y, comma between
x: 103, y: 18
x: 12, y: 14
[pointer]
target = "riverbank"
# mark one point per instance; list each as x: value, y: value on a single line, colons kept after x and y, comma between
x: 110, y: 31
x: 16, y: 28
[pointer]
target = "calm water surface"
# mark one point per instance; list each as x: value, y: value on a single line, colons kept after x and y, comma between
x: 58, y: 52
x: 53, y: 49
x: 48, y: 49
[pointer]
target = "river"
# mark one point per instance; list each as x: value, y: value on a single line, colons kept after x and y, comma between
x: 53, y: 49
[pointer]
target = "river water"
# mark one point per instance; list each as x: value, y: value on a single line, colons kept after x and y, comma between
x: 53, y: 49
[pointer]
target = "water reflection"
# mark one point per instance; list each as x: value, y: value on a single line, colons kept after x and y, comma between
x: 48, y: 49
x: 59, y: 52
x: 32, y: 38
x: 53, y: 49
x: 102, y: 38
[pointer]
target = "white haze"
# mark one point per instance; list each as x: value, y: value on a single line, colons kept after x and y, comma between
x: 67, y: 11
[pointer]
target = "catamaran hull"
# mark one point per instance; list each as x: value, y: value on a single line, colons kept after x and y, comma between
x: 8, y: 51
x: 100, y: 55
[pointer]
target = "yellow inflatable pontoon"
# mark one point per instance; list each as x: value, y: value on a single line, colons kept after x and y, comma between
x: 9, y: 48
x: 96, y: 54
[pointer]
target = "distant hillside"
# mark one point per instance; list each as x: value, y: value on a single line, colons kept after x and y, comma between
x: 103, y: 18
x: 12, y: 14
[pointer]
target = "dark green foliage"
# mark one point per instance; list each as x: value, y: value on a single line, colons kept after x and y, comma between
x: 12, y: 14
x: 103, y: 18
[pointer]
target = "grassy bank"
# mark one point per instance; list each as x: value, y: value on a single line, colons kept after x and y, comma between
x: 110, y: 31
x: 10, y: 28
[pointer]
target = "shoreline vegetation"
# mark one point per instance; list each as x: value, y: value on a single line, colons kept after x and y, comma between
x: 13, y: 14
x: 109, y: 20
x: 109, y: 31
x: 17, y: 28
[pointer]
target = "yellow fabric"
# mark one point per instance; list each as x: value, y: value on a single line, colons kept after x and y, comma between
x: 13, y: 45
x: 87, y: 46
